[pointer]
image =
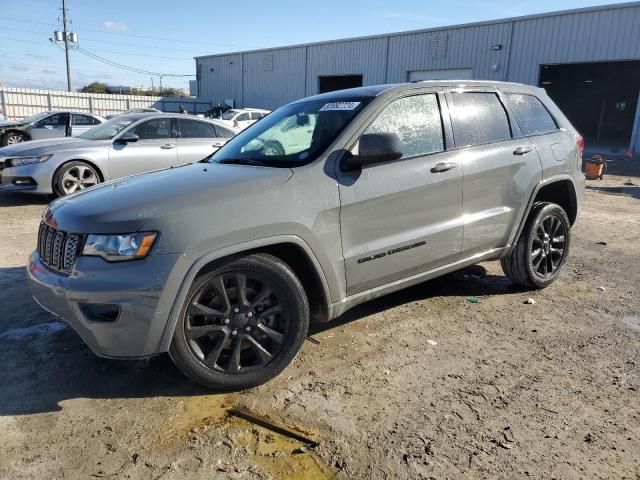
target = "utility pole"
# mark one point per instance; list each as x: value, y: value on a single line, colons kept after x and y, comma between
x: 66, y: 42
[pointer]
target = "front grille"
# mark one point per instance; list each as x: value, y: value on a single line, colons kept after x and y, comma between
x: 57, y: 249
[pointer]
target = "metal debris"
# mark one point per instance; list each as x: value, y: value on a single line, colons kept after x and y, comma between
x: 270, y: 425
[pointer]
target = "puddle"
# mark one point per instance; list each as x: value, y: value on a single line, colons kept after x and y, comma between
x: 632, y: 322
x: 274, y: 454
x: 280, y: 456
x: 631, y: 191
x: 198, y: 411
x: 40, y: 329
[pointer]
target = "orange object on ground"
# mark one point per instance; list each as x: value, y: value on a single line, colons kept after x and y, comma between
x: 595, y: 167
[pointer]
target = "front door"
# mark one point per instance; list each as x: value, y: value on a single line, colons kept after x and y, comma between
x: 154, y: 150
x: 51, y: 126
x: 403, y: 217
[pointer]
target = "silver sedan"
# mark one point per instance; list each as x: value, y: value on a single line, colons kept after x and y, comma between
x: 125, y: 145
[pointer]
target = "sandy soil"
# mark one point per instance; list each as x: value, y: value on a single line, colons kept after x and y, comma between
x: 419, y: 384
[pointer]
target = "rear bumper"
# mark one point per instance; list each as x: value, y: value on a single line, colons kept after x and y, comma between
x: 132, y: 288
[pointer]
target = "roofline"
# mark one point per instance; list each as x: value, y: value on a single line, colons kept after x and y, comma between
x: 597, y: 8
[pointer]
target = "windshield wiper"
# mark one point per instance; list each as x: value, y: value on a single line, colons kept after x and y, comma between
x: 242, y: 161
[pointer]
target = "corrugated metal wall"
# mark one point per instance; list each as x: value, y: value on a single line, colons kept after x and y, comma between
x: 18, y: 103
x: 274, y: 77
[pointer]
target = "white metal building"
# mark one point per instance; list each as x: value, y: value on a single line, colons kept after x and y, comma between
x: 588, y: 60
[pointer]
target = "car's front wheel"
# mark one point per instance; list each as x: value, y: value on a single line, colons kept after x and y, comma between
x: 541, y: 251
x: 74, y: 176
x: 12, y: 138
x: 241, y: 324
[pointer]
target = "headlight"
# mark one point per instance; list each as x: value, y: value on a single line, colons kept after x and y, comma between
x: 16, y: 162
x: 118, y: 248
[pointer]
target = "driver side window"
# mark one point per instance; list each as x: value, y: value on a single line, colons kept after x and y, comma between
x: 158, y: 128
x: 417, y: 122
x: 56, y: 120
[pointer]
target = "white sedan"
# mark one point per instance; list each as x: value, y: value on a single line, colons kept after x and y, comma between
x: 243, y: 117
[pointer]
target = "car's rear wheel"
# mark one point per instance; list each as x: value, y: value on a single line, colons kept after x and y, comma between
x: 241, y: 324
x: 542, y: 249
x: 12, y: 138
x: 74, y: 176
x: 273, y: 148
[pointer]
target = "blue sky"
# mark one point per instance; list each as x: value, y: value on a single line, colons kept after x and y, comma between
x: 163, y: 36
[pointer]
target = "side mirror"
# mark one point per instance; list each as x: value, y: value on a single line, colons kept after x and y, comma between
x: 374, y: 148
x: 128, y: 138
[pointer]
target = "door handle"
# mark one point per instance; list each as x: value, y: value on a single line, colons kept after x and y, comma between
x: 217, y: 144
x: 443, y: 167
x: 522, y: 150
x: 167, y: 146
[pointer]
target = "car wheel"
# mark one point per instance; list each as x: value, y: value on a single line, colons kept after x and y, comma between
x: 74, y: 176
x: 12, y: 138
x: 273, y: 148
x: 241, y: 324
x: 537, y: 258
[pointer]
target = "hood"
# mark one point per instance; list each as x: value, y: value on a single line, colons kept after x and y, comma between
x: 49, y: 145
x: 11, y: 123
x: 196, y: 190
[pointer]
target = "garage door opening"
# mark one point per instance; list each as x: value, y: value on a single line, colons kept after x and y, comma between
x: 331, y: 83
x: 600, y: 99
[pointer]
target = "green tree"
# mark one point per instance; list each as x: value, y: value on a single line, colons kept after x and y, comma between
x: 95, y: 87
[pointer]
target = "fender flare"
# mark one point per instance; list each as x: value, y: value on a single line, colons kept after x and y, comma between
x: 198, y: 264
x: 534, y: 193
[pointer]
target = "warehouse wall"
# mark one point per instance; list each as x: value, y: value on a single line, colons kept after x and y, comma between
x: 276, y: 76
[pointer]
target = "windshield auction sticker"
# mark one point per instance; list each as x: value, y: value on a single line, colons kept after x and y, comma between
x: 339, y: 106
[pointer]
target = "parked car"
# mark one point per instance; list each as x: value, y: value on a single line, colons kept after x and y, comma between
x: 243, y: 117
x: 135, y: 110
x: 47, y: 125
x: 223, y: 264
x: 122, y: 146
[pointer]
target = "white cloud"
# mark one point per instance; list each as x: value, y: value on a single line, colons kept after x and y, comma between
x: 113, y: 25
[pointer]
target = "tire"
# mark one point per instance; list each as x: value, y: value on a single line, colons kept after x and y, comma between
x: 274, y: 315
x: 73, y: 177
x: 274, y: 148
x: 536, y: 260
x: 12, y: 138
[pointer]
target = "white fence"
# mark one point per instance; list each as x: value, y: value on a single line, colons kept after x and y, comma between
x: 18, y: 103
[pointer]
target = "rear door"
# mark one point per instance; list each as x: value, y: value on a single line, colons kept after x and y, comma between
x: 155, y: 149
x: 402, y: 217
x: 51, y: 126
x: 81, y: 123
x: 243, y: 120
x: 499, y: 167
x: 197, y: 140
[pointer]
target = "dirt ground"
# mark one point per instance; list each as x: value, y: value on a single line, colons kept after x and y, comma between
x: 419, y: 384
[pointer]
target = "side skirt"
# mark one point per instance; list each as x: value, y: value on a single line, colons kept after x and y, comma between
x: 337, y: 309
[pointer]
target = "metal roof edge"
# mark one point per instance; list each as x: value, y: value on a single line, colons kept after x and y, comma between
x: 596, y: 8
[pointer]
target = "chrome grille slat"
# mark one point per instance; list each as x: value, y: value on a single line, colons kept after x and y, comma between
x: 57, y: 249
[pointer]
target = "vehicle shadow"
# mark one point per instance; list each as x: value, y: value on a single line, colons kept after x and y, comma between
x: 19, y: 199
x: 472, y: 281
x: 45, y: 362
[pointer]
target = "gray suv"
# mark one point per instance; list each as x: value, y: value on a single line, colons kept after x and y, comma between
x: 326, y: 203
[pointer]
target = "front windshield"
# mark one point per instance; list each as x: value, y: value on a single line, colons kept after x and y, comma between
x: 228, y: 115
x: 293, y: 135
x: 34, y: 118
x: 108, y: 129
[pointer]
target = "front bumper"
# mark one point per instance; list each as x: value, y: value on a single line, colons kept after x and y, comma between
x: 134, y: 287
x: 39, y: 174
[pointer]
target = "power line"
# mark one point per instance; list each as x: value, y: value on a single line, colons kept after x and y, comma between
x: 175, y: 40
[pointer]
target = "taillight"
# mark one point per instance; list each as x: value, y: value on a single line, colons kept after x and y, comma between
x: 580, y: 143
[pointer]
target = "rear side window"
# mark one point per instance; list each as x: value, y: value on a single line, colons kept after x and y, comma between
x: 416, y: 120
x: 196, y: 129
x: 478, y: 118
x: 84, y: 120
x: 224, y: 132
x: 256, y: 116
x: 531, y: 115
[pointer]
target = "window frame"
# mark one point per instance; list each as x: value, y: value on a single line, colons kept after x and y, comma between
x: 444, y: 113
x: 93, y: 121
x: 515, y: 118
x: 514, y: 128
x: 173, y: 126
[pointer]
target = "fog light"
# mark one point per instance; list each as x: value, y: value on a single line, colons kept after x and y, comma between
x: 24, y: 181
